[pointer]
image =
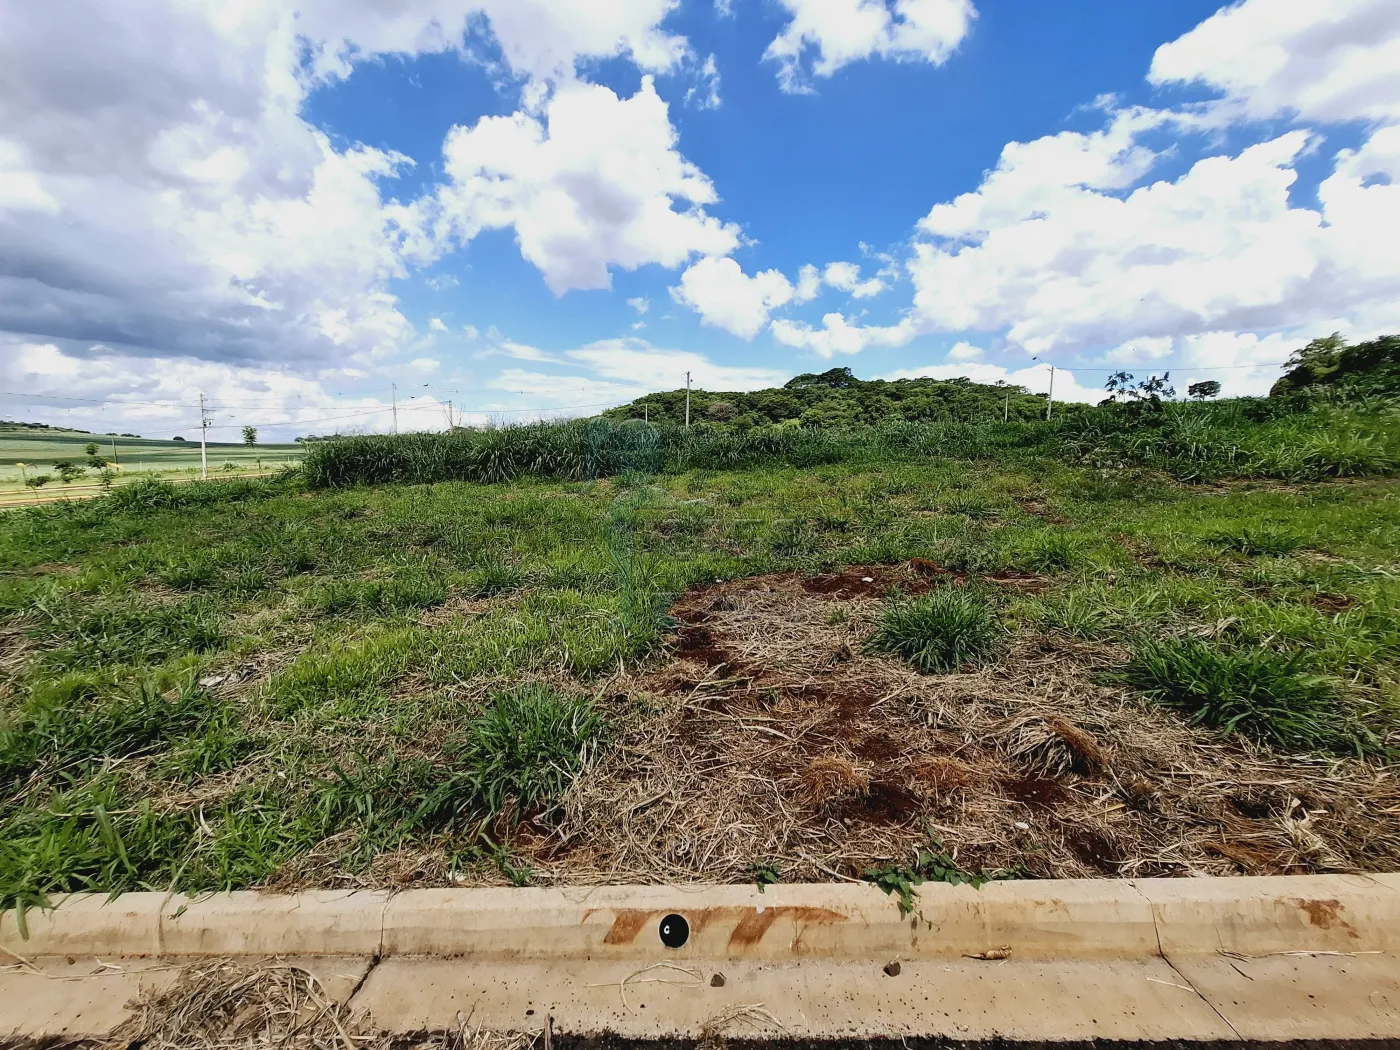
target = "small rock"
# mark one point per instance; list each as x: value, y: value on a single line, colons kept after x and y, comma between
x: 867, y: 579
x: 892, y: 969
x: 1021, y: 825
x: 717, y: 981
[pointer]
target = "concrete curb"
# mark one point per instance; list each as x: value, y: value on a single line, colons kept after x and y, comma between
x: 1050, y: 920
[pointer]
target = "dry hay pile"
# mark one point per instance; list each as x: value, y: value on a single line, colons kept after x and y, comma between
x: 769, y: 735
x: 222, y: 1005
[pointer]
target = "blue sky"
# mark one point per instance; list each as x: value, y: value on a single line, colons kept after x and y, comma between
x: 535, y: 210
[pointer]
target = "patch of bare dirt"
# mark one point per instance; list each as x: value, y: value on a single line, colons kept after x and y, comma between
x: 1332, y: 604
x: 769, y: 733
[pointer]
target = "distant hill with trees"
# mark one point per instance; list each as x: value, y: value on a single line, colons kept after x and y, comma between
x: 1369, y: 369
x: 836, y: 398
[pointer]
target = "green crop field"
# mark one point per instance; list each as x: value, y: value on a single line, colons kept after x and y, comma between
x: 39, y: 450
x: 1152, y: 640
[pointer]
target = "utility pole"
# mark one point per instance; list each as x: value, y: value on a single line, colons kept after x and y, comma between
x: 1050, y: 401
x: 646, y: 418
x: 1006, y: 408
x: 395, y: 388
x: 203, y: 444
x: 114, y: 449
x: 687, y: 401
x: 450, y: 423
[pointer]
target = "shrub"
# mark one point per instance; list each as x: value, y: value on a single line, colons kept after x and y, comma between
x: 1260, y: 693
x: 940, y: 631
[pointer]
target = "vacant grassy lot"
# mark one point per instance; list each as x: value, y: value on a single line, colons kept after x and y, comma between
x: 1025, y: 668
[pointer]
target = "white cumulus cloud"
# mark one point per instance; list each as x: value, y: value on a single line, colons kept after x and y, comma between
x: 161, y: 191
x: 1332, y: 61
x: 824, y: 35
x: 726, y: 297
x: 839, y: 336
x: 594, y: 183
x: 845, y: 277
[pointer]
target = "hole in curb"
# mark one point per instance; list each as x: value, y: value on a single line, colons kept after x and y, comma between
x: 675, y: 931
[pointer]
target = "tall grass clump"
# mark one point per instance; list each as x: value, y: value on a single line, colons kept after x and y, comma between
x: 1260, y: 539
x: 1283, y: 438
x: 942, y: 631
x: 403, y: 591
x: 78, y: 720
x: 581, y: 449
x: 1269, y: 696
x: 524, y: 748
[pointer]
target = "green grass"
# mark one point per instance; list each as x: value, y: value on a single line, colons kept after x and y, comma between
x: 1266, y: 539
x: 523, y: 751
x: 365, y: 646
x: 1275, y: 697
x: 945, y: 630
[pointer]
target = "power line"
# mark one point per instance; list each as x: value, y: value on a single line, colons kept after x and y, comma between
x: 433, y: 407
x: 1178, y: 368
x: 102, y: 400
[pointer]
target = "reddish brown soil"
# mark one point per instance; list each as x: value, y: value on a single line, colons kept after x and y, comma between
x: 776, y: 735
x: 1036, y: 792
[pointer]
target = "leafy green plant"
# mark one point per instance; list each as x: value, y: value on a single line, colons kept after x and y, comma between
x: 79, y: 720
x: 1271, y: 696
x: 409, y: 589
x: 68, y: 471
x: 793, y: 537
x: 1047, y: 551
x: 930, y: 865
x: 941, y: 631
x: 765, y: 873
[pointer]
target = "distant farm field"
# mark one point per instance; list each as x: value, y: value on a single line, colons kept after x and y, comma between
x: 39, y: 450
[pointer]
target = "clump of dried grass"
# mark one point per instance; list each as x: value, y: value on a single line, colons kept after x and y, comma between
x: 758, y: 747
x: 222, y: 1005
x: 831, y: 777
x: 1053, y: 746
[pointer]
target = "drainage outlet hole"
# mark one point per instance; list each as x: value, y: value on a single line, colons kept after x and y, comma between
x: 675, y: 931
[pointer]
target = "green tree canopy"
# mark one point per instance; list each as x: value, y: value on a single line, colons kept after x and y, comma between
x: 836, y: 398
x: 1369, y: 368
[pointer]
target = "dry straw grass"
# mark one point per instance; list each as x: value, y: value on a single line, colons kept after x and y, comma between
x: 769, y: 734
x: 221, y: 1005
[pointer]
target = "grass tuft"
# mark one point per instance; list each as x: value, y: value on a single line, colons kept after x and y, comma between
x: 525, y: 748
x: 494, y: 575
x: 1261, y: 539
x: 1270, y: 696
x: 938, y: 632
